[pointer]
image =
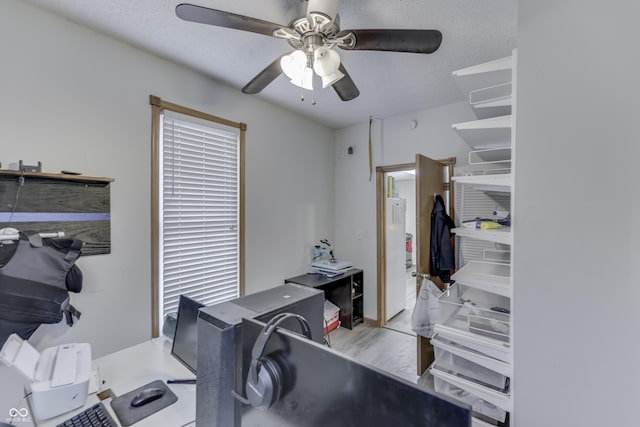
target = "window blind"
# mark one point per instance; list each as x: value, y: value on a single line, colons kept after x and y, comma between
x: 199, y: 199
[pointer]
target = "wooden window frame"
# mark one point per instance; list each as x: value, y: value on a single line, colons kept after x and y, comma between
x: 157, y: 106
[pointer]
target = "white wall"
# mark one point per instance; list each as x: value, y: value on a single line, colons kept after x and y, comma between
x: 77, y: 100
x: 393, y: 143
x: 577, y: 204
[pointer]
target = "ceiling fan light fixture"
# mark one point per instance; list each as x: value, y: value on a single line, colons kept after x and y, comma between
x: 293, y: 64
x: 327, y: 7
x: 325, y: 61
x: 314, y: 34
x: 331, y: 79
x: 295, y: 67
x: 326, y: 64
x: 305, y: 79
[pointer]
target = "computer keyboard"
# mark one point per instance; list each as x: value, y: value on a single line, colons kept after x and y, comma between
x: 94, y: 416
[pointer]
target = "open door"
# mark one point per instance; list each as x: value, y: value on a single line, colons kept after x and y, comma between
x: 432, y: 177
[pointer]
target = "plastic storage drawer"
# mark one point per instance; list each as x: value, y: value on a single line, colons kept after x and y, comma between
x: 475, y: 422
x: 482, y: 313
x: 331, y: 317
x: 477, y: 404
x: 450, y: 356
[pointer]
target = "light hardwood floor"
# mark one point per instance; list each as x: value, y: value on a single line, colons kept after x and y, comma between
x: 392, y: 349
x: 402, y: 321
x: 385, y: 349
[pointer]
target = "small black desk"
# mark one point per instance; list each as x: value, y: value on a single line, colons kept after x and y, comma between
x: 345, y: 291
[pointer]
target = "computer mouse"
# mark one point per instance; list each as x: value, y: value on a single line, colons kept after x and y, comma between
x: 147, y: 395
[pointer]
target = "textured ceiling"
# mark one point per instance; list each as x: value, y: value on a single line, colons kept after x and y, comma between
x: 390, y: 83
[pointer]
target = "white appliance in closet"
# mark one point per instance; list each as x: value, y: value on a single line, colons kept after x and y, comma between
x: 472, y: 341
x: 395, y: 265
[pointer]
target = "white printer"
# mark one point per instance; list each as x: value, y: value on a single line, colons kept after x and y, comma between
x: 59, y: 375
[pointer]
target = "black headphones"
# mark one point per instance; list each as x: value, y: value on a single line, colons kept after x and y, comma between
x: 265, y: 381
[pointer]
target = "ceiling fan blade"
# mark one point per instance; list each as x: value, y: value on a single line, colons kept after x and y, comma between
x: 264, y: 78
x: 414, y: 41
x: 345, y: 87
x: 219, y: 18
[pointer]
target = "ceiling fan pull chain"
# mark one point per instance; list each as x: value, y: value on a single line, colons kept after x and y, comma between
x: 370, y: 149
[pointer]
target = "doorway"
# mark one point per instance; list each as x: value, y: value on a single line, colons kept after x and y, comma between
x: 400, y: 284
x: 432, y: 177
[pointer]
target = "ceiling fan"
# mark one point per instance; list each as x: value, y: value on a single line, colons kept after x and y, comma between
x: 314, y: 36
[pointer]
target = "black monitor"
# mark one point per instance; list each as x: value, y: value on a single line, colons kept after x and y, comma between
x: 186, y: 336
x: 319, y: 386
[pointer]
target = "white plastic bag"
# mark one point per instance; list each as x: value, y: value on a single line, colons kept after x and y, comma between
x: 426, y: 312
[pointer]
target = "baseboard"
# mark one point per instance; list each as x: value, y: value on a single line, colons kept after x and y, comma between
x: 371, y: 322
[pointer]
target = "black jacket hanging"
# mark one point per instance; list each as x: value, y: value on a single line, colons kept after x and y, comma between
x: 442, y: 257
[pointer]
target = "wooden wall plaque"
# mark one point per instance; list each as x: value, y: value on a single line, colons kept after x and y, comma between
x: 79, y: 206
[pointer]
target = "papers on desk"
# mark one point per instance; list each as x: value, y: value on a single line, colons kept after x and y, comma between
x: 95, y: 382
x: 325, y: 272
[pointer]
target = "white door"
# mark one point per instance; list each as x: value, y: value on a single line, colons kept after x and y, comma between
x: 395, y: 256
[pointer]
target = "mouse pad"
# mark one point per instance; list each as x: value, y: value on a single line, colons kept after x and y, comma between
x: 128, y: 415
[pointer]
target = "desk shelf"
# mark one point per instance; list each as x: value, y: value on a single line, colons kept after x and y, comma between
x: 346, y: 291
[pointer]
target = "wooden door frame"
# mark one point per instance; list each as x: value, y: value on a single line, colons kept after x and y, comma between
x: 381, y: 236
x: 381, y: 231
